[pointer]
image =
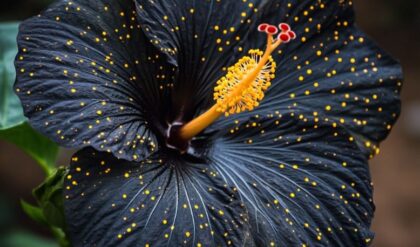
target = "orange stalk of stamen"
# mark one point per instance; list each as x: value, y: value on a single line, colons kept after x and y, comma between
x: 241, y: 89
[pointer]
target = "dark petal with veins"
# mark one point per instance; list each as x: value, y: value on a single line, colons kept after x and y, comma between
x: 162, y: 202
x: 302, y: 185
x: 342, y: 79
x: 87, y: 76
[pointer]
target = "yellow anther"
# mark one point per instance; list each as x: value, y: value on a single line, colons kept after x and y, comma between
x: 233, y: 94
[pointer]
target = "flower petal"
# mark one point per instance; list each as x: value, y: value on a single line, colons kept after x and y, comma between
x: 162, y: 202
x: 87, y: 75
x: 340, y: 78
x: 302, y: 185
x: 333, y: 73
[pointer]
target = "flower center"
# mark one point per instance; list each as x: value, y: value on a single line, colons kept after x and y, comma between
x: 243, y: 87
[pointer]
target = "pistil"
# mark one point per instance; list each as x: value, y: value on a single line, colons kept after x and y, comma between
x: 244, y: 85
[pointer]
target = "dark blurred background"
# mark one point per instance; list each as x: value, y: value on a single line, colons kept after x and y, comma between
x: 395, y: 25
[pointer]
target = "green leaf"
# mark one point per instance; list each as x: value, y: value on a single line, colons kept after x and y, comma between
x: 15, y: 129
x: 35, y: 213
x: 36, y: 145
x: 50, y: 198
x: 13, y: 126
x: 11, y: 113
x: 20, y: 239
x: 61, y: 237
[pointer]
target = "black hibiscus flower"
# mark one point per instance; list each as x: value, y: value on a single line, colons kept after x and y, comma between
x: 180, y: 146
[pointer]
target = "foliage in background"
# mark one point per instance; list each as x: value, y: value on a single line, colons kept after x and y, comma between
x: 17, y: 238
x: 15, y: 129
x: 36, y: 145
x: 10, y: 110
